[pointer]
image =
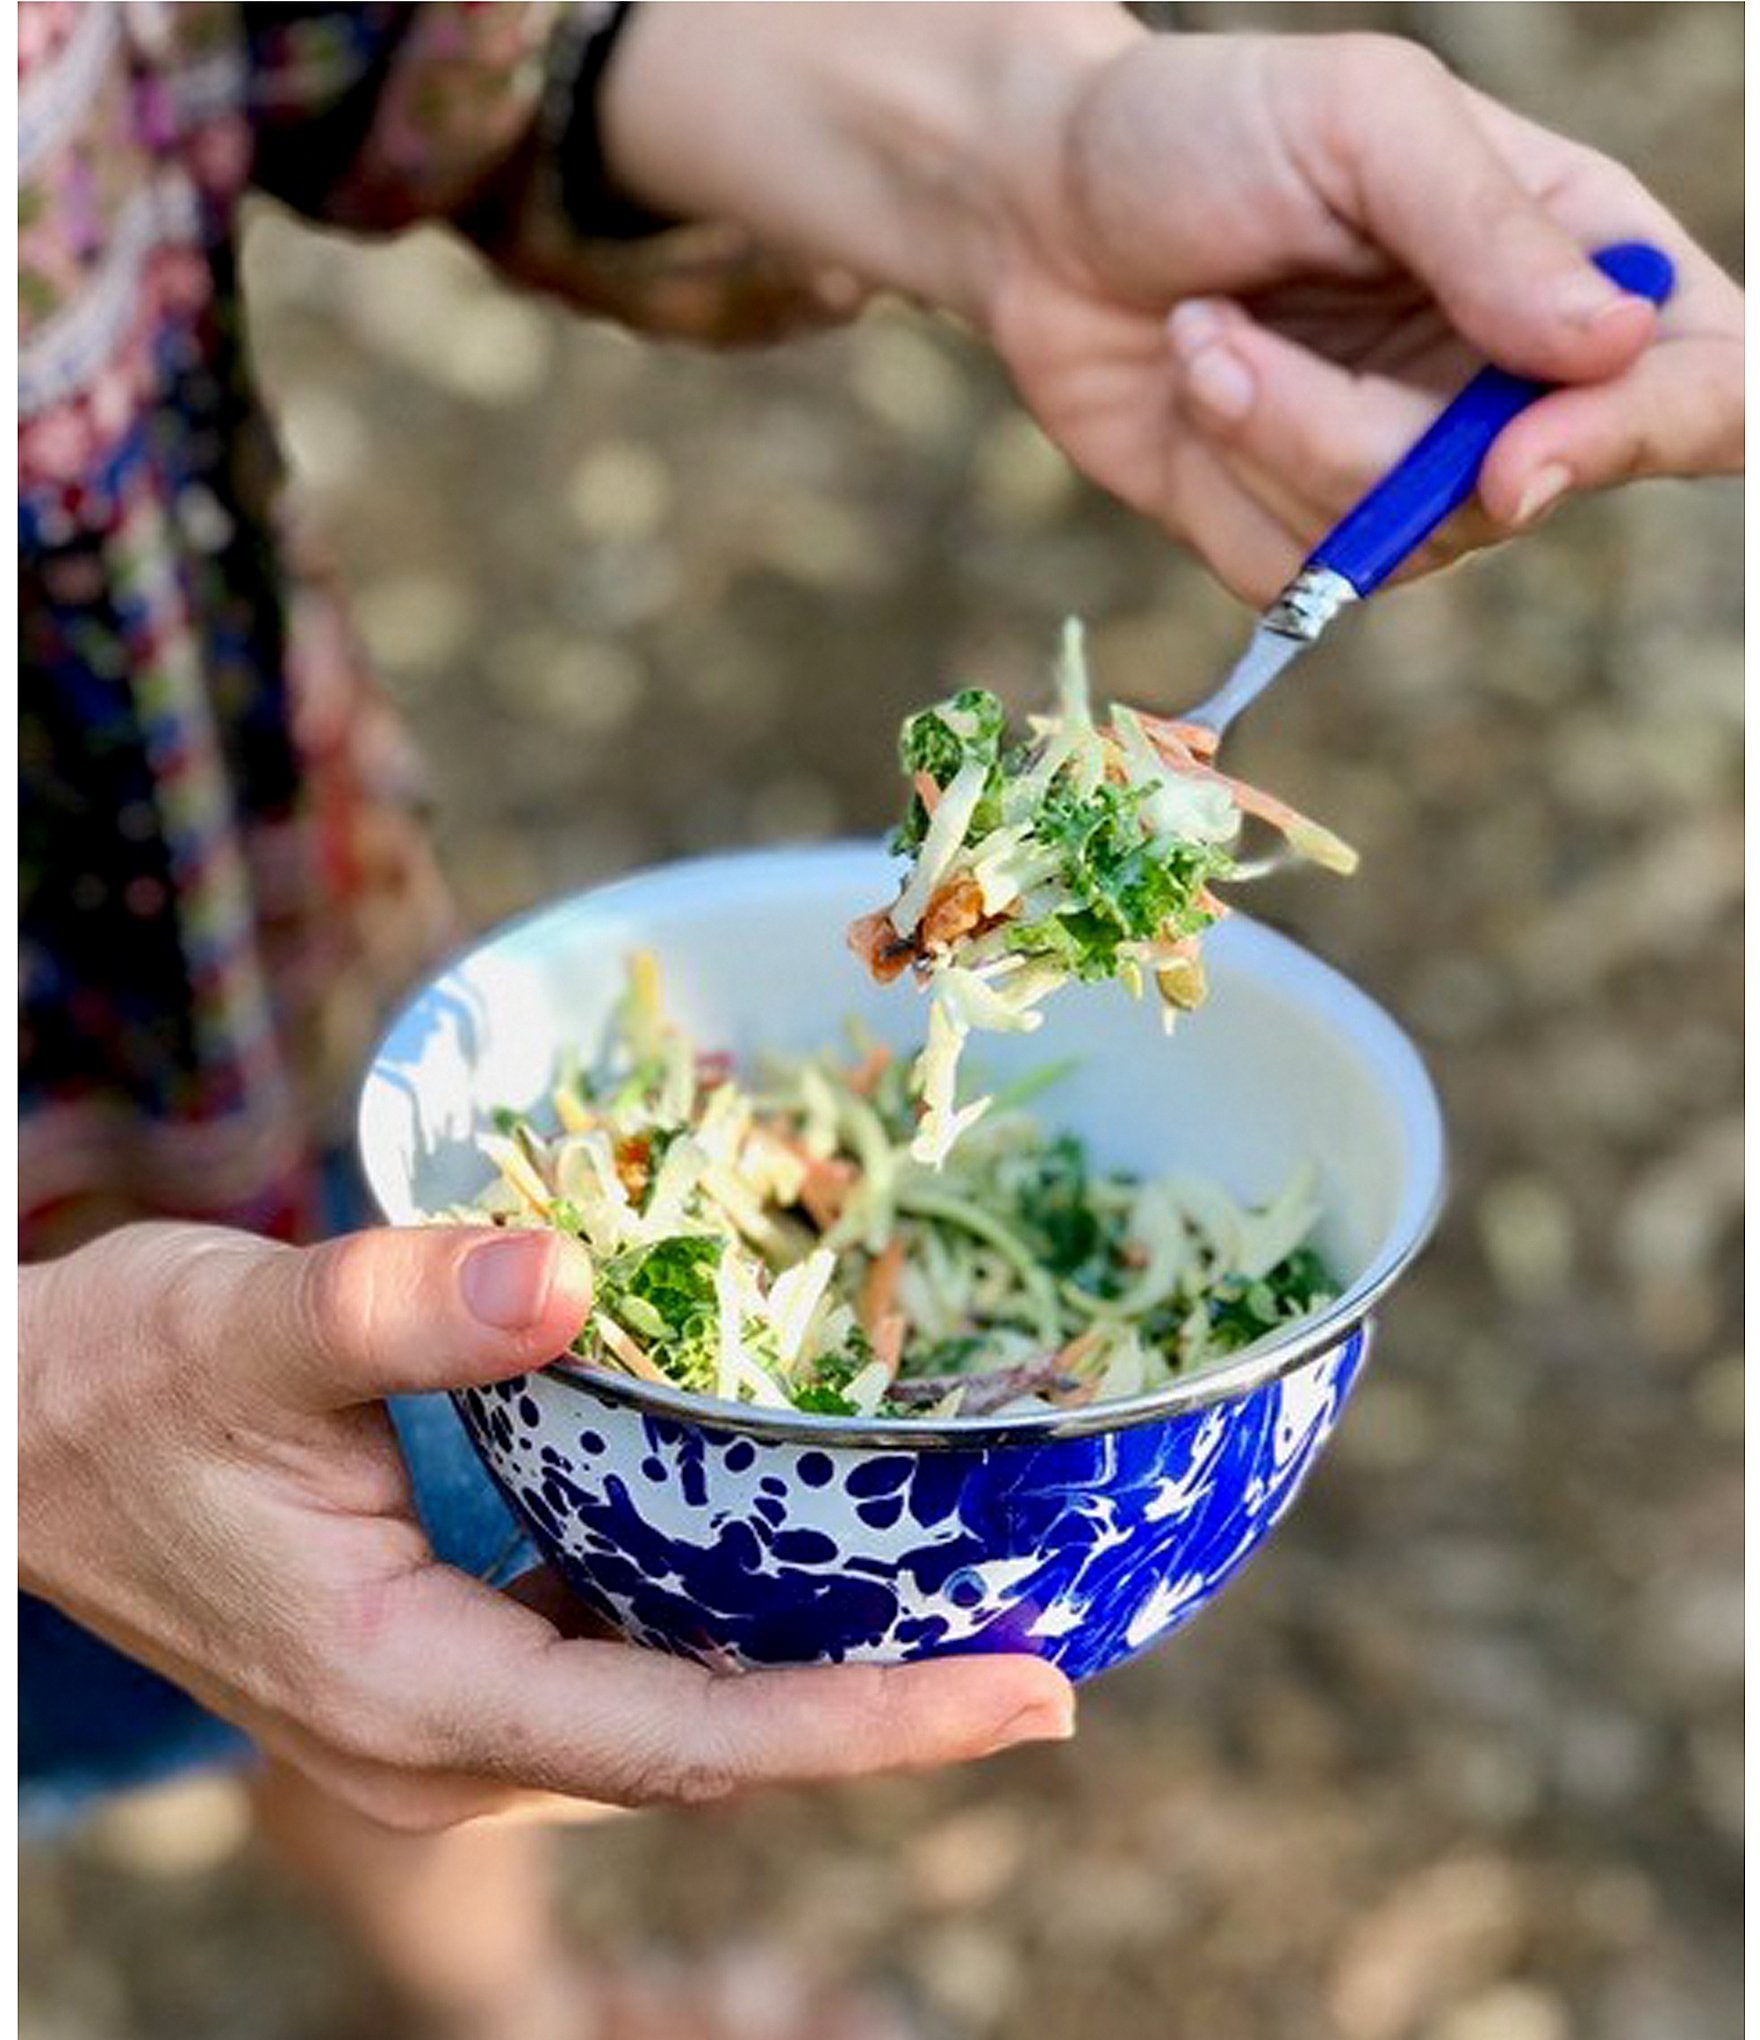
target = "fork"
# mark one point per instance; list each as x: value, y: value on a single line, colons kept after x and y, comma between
x: 1431, y: 482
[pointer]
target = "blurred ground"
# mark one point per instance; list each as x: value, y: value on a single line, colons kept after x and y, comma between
x: 1459, y: 1759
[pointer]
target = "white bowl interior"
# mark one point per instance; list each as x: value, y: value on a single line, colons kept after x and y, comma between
x: 1286, y: 1062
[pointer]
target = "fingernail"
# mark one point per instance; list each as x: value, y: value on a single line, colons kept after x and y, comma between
x: 1586, y: 297
x: 1042, y: 1721
x: 1192, y: 326
x: 1221, y: 383
x: 1544, y: 489
x: 507, y: 1282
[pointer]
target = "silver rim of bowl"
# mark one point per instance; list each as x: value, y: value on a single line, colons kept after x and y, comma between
x: 1306, y: 1340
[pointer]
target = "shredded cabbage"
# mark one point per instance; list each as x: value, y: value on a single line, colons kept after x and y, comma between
x: 805, y: 1246
x: 1090, y: 850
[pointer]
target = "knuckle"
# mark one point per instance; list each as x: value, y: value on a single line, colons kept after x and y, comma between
x: 178, y: 1281
x: 334, y: 1298
x: 358, y: 1620
x: 1637, y: 448
x: 701, y: 1780
x: 1371, y: 89
x: 884, y: 1724
x: 1371, y: 61
x: 885, y: 1702
x: 1616, y: 187
x: 699, y: 1772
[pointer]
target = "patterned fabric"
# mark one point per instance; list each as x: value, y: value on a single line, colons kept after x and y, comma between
x: 223, y: 876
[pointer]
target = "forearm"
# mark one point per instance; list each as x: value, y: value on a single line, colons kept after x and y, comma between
x: 895, y: 140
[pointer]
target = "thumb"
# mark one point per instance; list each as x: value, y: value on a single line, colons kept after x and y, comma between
x: 1422, y: 177
x: 401, y: 1310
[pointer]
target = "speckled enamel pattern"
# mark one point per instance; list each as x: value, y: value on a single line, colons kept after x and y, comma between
x: 758, y: 1551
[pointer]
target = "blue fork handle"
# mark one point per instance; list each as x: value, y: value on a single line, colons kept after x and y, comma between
x: 1442, y: 469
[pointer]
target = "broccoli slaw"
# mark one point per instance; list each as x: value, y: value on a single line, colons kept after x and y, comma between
x: 1088, y: 851
x: 781, y: 1242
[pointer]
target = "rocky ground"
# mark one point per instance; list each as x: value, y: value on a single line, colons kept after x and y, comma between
x: 1459, y: 1759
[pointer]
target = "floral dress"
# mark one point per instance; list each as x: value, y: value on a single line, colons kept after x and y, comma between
x: 223, y: 877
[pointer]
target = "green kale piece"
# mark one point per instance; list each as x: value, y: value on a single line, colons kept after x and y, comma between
x: 639, y: 1087
x: 1126, y: 887
x: 664, y: 1295
x: 1056, y: 1216
x: 824, y: 1394
x: 938, y: 741
x: 659, y: 1140
x: 820, y: 1399
x: 942, y: 1356
x: 1241, y: 1311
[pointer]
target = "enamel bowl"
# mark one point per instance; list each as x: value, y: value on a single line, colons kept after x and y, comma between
x: 758, y: 1537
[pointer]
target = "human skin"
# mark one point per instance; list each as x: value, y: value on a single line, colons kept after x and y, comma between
x: 1232, y: 276
x: 209, y: 1480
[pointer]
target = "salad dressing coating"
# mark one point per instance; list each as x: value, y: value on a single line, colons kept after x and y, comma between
x: 784, y: 1244
x: 1088, y: 851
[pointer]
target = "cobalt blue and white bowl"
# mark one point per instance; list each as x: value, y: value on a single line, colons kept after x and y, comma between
x: 756, y: 1537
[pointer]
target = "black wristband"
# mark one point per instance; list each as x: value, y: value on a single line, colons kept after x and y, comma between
x: 581, y: 52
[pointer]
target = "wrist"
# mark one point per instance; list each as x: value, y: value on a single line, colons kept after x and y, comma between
x: 910, y: 144
x: 1047, y: 61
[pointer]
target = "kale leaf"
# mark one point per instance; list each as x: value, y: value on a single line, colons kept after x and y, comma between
x: 1241, y: 1311
x: 938, y: 741
x: 832, y: 1374
x: 664, y: 1295
x: 1127, y: 887
x: 1055, y: 1214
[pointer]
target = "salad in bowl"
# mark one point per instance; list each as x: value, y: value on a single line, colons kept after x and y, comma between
x: 780, y: 1242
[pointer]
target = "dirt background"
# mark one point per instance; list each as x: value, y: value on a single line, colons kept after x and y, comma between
x: 1458, y: 1759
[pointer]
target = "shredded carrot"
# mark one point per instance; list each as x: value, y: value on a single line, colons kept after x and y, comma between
x: 1190, y: 736
x: 868, y: 1072
x: 879, y: 1287
x: 878, y: 943
x: 1309, y: 837
x: 888, y: 1341
x: 825, y: 1186
x: 955, y: 908
x: 927, y: 791
x: 1075, y: 1355
x: 633, y: 1157
x: 1073, y: 1397
x: 1069, y: 1386
x: 826, y: 1180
